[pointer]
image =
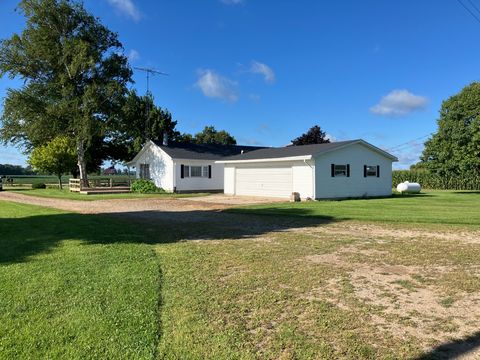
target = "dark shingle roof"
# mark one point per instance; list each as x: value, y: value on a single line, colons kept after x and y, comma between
x: 289, y: 151
x: 204, y: 151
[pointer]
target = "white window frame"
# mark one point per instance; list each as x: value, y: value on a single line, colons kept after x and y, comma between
x: 205, y: 171
x: 197, y: 168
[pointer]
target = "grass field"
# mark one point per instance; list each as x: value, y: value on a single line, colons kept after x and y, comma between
x: 66, y: 194
x: 241, y: 286
x: 432, y: 207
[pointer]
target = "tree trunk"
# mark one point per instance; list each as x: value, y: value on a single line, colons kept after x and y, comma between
x: 82, y: 166
x: 60, y: 181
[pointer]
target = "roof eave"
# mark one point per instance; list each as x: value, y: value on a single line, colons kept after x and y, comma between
x: 278, y: 159
x: 134, y: 160
x: 359, y: 141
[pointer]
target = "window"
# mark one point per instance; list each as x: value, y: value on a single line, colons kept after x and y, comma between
x: 340, y: 170
x: 204, y: 171
x: 144, y: 171
x: 370, y: 170
x: 195, y: 171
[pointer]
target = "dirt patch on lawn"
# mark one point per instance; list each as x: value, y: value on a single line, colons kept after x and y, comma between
x: 374, y: 231
x: 405, y: 301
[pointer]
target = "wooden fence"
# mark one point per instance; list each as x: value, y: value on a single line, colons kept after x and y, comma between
x: 105, y: 183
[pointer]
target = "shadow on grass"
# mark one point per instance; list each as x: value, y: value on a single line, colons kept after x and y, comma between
x: 23, y: 237
x: 464, y: 192
x: 453, y: 349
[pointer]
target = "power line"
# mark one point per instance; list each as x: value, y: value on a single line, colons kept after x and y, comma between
x: 408, y: 143
x: 474, y: 6
x: 470, y: 11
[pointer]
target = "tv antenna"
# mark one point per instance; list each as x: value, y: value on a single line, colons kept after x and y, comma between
x: 149, y: 72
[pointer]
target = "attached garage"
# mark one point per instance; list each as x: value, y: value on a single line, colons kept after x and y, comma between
x: 264, y: 181
x: 320, y: 171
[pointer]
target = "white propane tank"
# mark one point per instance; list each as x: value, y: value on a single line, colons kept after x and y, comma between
x: 409, y: 188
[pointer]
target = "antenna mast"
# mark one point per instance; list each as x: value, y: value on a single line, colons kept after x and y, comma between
x: 149, y: 72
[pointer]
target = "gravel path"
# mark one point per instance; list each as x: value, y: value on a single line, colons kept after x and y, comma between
x: 114, y: 205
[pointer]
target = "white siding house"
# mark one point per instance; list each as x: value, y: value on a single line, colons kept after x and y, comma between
x: 181, y: 167
x: 334, y: 170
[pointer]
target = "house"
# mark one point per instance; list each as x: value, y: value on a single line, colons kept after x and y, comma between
x: 334, y: 170
x: 110, y: 171
x: 185, y: 167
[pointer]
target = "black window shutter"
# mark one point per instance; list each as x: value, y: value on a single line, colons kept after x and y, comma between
x: 209, y: 171
x: 182, y: 171
x: 378, y: 170
x: 348, y: 170
x: 333, y: 170
x: 364, y: 170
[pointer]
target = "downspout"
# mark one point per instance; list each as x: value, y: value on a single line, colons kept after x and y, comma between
x: 313, y: 177
x: 174, y: 187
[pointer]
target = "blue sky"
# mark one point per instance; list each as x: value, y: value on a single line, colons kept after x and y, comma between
x: 266, y: 71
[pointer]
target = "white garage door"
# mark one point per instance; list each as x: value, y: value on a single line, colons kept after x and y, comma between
x: 264, y: 181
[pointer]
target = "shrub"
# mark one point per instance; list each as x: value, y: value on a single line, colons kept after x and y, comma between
x: 39, y: 186
x: 143, y: 186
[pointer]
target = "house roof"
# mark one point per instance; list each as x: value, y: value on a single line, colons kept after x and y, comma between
x: 203, y: 151
x: 301, y: 151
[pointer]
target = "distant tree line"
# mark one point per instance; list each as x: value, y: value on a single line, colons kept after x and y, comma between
x: 8, y: 169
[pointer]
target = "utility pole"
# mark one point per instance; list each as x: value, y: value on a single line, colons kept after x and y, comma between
x: 149, y: 72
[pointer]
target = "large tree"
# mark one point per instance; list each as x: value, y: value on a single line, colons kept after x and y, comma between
x: 133, y: 129
x: 74, y: 78
x: 210, y: 135
x: 454, y: 150
x: 314, y: 135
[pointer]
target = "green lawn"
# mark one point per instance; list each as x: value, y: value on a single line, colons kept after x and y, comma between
x: 67, y: 194
x: 211, y: 285
x: 431, y: 207
x: 75, y: 286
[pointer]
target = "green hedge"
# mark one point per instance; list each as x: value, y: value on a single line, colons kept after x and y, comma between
x: 432, y: 181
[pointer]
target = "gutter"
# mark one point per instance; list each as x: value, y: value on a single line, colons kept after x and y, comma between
x: 291, y: 158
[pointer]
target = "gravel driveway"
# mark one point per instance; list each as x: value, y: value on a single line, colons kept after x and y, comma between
x: 115, y: 205
x: 193, y: 209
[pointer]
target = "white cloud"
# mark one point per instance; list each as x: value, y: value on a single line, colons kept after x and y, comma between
x: 263, y: 69
x: 254, y: 97
x: 214, y: 85
x: 126, y: 7
x: 232, y: 2
x: 133, y: 55
x: 399, y: 103
x: 330, y: 137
